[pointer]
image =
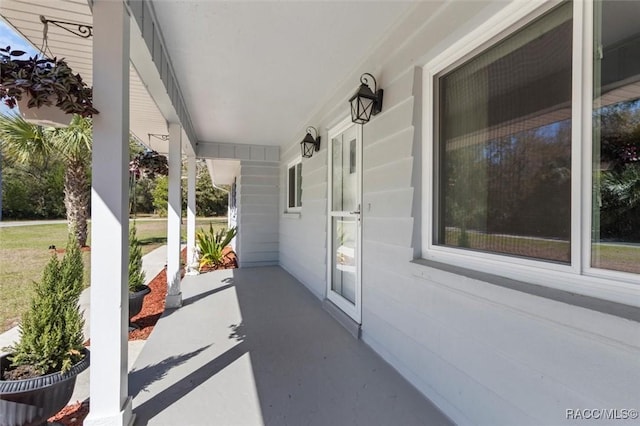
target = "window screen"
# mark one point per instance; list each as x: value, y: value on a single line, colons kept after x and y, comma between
x: 504, y: 145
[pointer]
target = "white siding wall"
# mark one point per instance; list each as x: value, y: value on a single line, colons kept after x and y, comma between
x: 303, y: 235
x: 257, y: 218
x: 484, y: 354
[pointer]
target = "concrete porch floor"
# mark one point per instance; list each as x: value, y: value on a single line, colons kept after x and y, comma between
x: 253, y: 347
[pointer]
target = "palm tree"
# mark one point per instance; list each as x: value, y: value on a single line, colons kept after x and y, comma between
x: 24, y: 142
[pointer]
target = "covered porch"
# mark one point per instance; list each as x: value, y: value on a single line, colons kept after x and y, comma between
x: 253, y: 346
x: 491, y: 337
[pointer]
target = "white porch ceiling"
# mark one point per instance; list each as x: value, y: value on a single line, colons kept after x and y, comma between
x: 255, y: 71
x: 250, y: 72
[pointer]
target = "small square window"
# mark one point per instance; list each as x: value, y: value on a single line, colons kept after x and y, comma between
x: 294, y: 186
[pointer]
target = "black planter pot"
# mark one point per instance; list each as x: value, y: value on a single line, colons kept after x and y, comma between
x: 135, y: 302
x: 31, y: 402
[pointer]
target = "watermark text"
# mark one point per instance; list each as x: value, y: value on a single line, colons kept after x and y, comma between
x: 601, y: 413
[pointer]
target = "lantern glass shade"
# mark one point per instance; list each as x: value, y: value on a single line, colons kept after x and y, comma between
x: 307, y: 149
x: 308, y: 146
x: 362, y: 105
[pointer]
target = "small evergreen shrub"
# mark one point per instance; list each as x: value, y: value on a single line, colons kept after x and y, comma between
x: 211, y: 245
x: 136, y: 274
x: 51, y: 330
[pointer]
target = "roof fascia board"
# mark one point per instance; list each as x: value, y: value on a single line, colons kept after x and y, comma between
x: 150, y: 59
x: 236, y: 151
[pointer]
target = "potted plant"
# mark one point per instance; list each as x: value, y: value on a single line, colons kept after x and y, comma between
x: 137, y: 288
x: 38, y: 375
x: 46, y: 90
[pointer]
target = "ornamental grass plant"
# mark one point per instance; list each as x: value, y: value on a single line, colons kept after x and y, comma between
x: 211, y: 245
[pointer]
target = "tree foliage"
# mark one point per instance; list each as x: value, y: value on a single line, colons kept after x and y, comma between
x: 33, y: 191
x: 161, y: 195
x: 26, y: 143
x: 618, y: 177
x: 519, y: 184
x: 210, y: 201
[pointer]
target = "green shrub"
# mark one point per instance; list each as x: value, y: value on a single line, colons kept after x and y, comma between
x: 51, y: 330
x: 136, y: 274
x: 211, y: 244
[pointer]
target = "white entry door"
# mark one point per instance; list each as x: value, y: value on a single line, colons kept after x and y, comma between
x: 345, y: 199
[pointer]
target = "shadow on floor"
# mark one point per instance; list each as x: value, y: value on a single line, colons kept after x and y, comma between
x: 141, y: 379
x: 268, y: 354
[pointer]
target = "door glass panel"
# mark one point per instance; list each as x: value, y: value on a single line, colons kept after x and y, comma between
x: 345, y: 232
x: 344, y: 256
x: 344, y: 172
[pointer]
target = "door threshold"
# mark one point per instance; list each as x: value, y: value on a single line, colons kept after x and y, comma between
x: 343, y: 319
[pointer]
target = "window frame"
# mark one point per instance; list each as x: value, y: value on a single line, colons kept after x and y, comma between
x: 297, y: 203
x: 577, y: 276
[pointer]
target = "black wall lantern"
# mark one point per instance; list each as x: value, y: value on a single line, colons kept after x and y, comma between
x: 310, y: 143
x: 365, y: 103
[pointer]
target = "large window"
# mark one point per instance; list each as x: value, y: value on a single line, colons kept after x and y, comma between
x: 535, y: 148
x: 616, y: 137
x: 294, y: 186
x: 504, y: 145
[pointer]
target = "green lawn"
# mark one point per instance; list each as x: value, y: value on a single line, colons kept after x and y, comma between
x: 619, y: 257
x: 532, y: 247
x: 614, y: 256
x: 24, y: 250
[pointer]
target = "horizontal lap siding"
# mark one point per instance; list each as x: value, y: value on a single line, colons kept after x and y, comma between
x: 483, y: 361
x: 537, y: 363
x: 484, y: 354
x: 303, y: 236
x: 258, y: 189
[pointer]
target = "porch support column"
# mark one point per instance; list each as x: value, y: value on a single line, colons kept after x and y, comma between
x: 191, y: 211
x: 110, y: 404
x: 174, y: 295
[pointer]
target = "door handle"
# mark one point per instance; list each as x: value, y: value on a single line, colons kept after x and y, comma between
x: 356, y: 212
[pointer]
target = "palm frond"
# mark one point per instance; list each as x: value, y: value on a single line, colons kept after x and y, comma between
x: 624, y: 185
x: 22, y: 141
x: 74, y: 141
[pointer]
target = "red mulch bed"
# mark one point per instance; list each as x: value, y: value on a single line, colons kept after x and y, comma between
x: 72, y: 414
x: 152, y: 309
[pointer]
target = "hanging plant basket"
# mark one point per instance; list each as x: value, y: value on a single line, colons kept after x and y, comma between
x: 39, y: 83
x: 45, y: 116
